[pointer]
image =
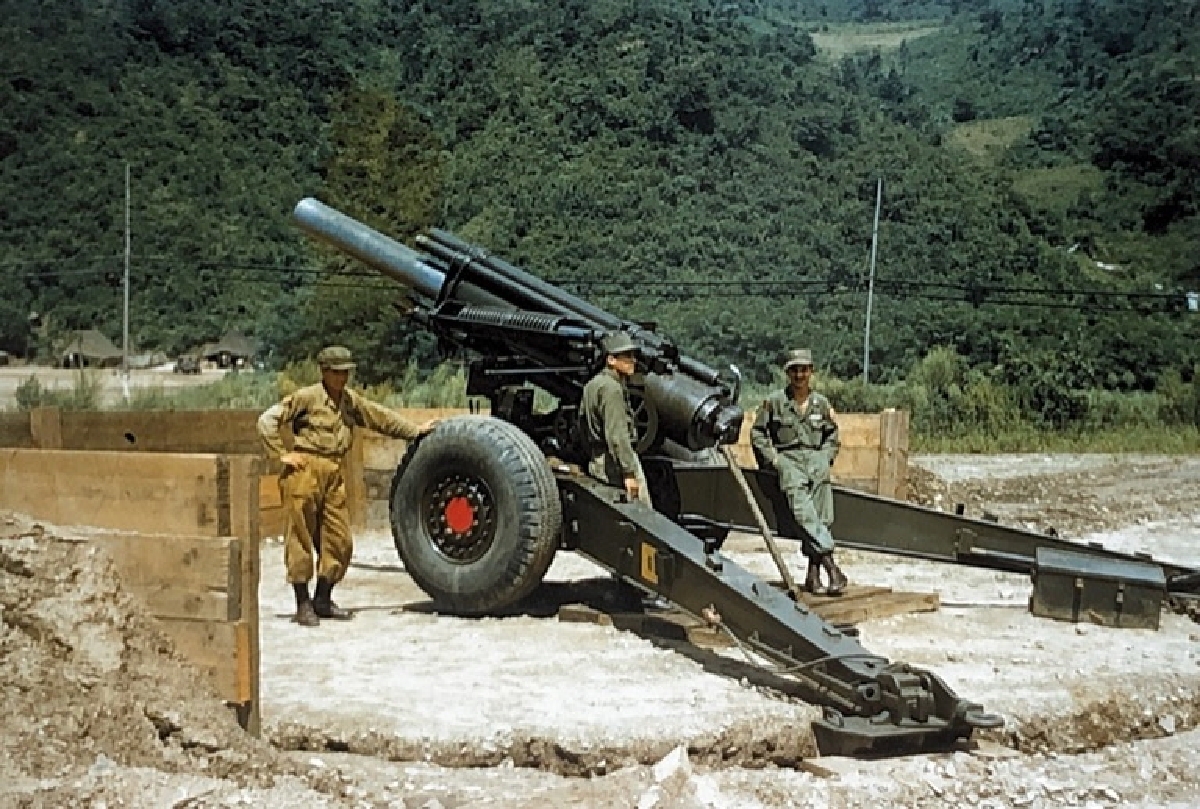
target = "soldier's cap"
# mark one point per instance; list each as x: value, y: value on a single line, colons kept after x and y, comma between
x: 336, y: 358
x: 799, y: 356
x: 618, y: 342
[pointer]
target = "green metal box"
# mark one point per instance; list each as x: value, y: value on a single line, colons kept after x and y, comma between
x: 1071, y: 586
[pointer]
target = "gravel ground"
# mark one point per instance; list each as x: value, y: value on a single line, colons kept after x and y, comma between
x: 405, y: 708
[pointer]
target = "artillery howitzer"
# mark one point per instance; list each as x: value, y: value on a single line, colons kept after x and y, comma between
x: 480, y: 506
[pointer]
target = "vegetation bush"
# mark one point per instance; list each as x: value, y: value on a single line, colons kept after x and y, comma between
x: 85, y: 393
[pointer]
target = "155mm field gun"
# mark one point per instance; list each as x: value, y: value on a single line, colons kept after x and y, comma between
x: 480, y: 506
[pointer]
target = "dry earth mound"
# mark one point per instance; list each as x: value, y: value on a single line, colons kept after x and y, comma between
x: 93, y: 695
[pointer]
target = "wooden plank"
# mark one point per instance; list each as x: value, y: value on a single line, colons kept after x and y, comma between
x: 247, y: 668
x: 868, y: 485
x: 744, y: 456
x: 858, y: 429
x: 245, y: 513
x: 876, y: 607
x: 165, y: 600
x: 854, y: 429
x: 854, y: 592
x: 211, y: 646
x: 45, y: 427
x: 178, y: 431
x: 893, y: 454
x: 193, y: 562
x: 856, y: 463
x: 141, y: 492
x: 14, y: 431
x: 381, y: 452
x: 583, y: 614
x: 193, y: 578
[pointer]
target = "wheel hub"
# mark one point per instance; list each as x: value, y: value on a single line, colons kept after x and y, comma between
x: 460, y: 517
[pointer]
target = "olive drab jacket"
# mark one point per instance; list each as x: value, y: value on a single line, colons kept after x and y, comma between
x: 804, y: 436
x: 323, y: 428
x: 606, y: 419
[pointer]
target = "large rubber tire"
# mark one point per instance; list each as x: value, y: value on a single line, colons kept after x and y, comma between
x: 475, y: 514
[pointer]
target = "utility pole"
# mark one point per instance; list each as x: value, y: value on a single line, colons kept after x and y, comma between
x: 871, y: 284
x: 125, y: 315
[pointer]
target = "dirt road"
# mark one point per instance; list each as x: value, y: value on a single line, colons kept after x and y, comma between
x: 110, y: 382
x: 406, y: 708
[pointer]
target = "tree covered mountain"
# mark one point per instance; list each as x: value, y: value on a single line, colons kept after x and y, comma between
x: 697, y: 164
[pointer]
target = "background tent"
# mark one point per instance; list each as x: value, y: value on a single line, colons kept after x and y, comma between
x: 89, y: 349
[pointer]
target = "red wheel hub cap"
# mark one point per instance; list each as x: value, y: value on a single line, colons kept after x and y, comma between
x: 460, y: 515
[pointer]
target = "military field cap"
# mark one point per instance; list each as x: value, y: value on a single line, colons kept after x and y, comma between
x: 799, y: 356
x: 618, y: 342
x: 336, y: 358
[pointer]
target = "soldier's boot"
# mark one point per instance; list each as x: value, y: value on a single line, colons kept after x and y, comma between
x: 837, y: 579
x: 305, y: 614
x: 812, y: 579
x: 324, y: 605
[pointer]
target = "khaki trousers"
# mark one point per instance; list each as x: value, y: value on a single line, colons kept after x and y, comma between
x: 316, y: 520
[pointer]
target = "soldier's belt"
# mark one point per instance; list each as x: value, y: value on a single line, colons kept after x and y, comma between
x: 790, y: 447
x: 329, y: 456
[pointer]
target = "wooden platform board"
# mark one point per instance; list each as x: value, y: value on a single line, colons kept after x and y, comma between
x: 859, y: 603
x: 864, y: 603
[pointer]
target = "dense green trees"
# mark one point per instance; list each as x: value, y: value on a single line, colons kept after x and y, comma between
x: 694, y: 164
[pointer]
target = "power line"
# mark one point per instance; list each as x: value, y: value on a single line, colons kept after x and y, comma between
x: 266, y: 273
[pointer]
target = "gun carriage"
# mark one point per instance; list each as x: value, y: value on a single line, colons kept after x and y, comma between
x: 480, y: 506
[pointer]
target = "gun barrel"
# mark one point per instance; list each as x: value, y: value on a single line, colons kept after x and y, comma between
x: 388, y: 256
x: 520, y: 279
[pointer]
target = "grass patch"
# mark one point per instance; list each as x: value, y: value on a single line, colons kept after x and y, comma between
x: 989, y: 138
x: 234, y: 391
x: 1059, y: 187
x: 838, y: 41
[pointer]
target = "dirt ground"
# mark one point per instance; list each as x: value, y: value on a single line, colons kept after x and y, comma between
x: 406, y: 708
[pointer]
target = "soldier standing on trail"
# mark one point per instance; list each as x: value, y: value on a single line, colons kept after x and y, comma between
x: 606, y: 418
x: 795, y: 434
x: 321, y: 417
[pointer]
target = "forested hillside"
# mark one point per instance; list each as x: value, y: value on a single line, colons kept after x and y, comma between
x: 699, y: 164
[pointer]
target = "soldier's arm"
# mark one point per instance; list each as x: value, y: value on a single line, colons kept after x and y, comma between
x: 617, y: 429
x: 271, y: 420
x: 760, y: 435
x: 833, y: 438
x: 384, y: 420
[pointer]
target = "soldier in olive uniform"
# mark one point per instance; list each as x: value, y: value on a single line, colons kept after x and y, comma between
x: 321, y: 418
x: 606, y: 420
x: 796, y: 434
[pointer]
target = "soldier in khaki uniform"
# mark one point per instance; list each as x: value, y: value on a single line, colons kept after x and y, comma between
x: 606, y: 419
x: 797, y: 435
x: 321, y: 418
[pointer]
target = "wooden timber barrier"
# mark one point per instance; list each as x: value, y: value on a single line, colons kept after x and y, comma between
x: 187, y: 499
x: 183, y: 532
x: 874, y: 455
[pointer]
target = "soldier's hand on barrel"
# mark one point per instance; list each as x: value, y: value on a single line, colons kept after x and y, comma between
x: 632, y: 488
x: 293, y: 460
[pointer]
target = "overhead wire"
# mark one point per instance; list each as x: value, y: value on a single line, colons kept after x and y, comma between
x: 270, y: 273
